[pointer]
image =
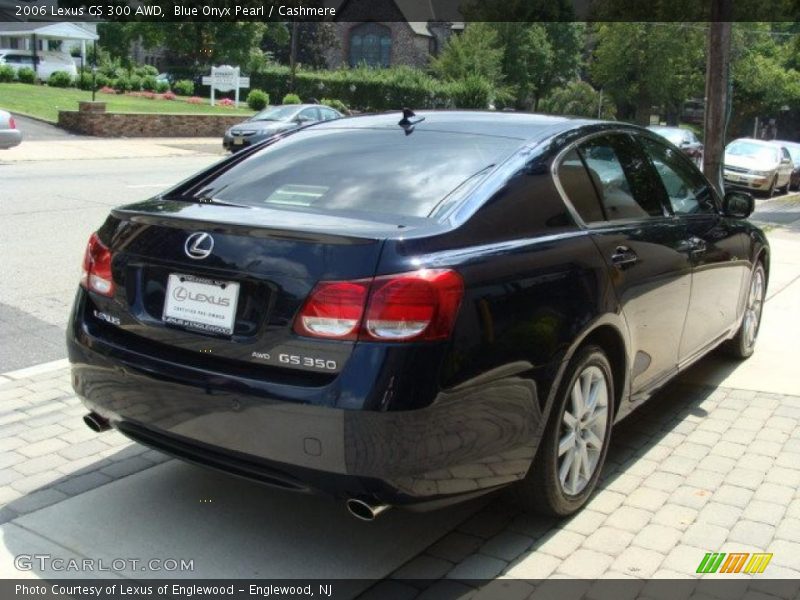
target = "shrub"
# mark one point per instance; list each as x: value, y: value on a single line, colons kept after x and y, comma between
x: 101, y: 80
x: 26, y: 75
x: 7, y: 73
x: 257, y: 99
x: 337, y: 104
x: 162, y: 87
x: 183, y: 87
x: 85, y: 81
x: 136, y: 82
x: 577, y: 98
x: 122, y: 84
x: 472, y: 92
x: 146, y: 71
x: 225, y: 102
x: 60, y: 79
x: 168, y: 96
x: 149, y: 83
x: 194, y: 100
x: 361, y: 88
x: 291, y: 99
x: 107, y: 90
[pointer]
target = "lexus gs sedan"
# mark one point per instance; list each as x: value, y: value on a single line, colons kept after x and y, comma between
x: 275, y: 120
x: 412, y: 310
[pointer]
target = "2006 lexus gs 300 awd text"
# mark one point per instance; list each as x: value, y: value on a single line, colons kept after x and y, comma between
x: 414, y: 309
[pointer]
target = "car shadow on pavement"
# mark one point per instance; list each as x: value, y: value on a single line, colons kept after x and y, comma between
x: 654, y: 485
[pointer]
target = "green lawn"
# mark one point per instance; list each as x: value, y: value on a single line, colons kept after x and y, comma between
x: 44, y: 102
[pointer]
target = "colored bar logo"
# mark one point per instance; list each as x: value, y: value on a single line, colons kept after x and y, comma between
x: 734, y: 562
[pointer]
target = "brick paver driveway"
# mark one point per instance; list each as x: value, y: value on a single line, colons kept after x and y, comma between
x: 696, y: 470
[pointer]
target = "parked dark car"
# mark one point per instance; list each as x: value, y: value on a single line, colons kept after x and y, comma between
x: 414, y: 311
x: 685, y: 139
x: 274, y: 120
x: 794, y: 151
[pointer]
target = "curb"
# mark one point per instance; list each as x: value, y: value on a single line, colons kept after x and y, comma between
x: 39, y: 369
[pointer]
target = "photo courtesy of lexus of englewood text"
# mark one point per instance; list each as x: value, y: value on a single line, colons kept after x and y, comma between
x: 396, y: 299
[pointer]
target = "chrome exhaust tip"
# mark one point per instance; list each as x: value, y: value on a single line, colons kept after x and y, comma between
x: 96, y: 423
x: 365, y: 511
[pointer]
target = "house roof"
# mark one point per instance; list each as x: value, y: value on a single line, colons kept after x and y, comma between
x: 61, y: 31
x: 418, y: 13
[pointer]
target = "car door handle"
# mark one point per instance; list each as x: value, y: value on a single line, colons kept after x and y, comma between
x: 697, y: 245
x: 624, y: 256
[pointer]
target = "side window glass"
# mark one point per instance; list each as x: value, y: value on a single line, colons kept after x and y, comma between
x: 623, y: 176
x: 579, y: 188
x: 688, y: 191
x: 311, y: 113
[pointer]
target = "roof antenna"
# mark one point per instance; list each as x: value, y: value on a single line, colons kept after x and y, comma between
x: 406, y: 123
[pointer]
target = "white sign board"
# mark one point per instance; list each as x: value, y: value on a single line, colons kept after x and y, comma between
x: 225, y: 79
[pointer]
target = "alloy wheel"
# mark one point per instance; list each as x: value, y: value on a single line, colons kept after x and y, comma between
x: 583, y: 430
x: 752, y: 312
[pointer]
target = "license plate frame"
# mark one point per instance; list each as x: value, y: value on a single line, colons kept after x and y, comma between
x: 201, y: 304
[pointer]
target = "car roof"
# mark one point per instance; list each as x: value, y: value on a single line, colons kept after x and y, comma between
x: 754, y: 141
x: 522, y: 126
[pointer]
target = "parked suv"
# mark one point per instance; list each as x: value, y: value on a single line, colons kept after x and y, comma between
x: 45, y: 63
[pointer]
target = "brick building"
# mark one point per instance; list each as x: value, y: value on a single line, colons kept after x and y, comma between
x: 387, y: 33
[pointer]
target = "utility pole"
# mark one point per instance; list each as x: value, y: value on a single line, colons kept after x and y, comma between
x: 293, y: 56
x: 717, y: 91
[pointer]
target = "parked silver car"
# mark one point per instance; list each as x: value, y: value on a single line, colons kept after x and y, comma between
x: 274, y: 120
x: 10, y: 136
x: 758, y: 165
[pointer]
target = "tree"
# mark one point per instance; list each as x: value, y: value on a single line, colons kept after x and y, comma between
x: 765, y: 79
x: 644, y: 64
x: 314, y: 40
x: 579, y: 99
x: 474, y: 52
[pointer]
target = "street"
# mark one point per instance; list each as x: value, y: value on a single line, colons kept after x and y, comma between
x: 49, y: 209
x: 713, y: 461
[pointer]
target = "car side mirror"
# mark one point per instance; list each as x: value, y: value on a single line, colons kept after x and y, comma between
x: 737, y: 204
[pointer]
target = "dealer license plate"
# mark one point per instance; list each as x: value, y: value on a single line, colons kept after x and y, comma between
x: 201, y: 304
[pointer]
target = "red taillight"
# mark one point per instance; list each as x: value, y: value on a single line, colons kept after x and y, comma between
x: 333, y: 310
x: 410, y: 306
x: 12, y: 124
x: 96, y: 274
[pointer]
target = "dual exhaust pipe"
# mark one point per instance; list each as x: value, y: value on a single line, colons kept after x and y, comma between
x: 360, y: 509
x: 96, y: 423
x: 364, y: 511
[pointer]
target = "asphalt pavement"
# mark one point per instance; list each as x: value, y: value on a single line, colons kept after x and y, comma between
x: 48, y: 209
x: 36, y: 130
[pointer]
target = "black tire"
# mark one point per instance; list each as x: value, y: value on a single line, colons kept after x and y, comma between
x: 742, y: 345
x: 771, y: 190
x: 541, y: 490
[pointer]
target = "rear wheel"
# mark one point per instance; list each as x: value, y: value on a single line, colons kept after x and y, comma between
x: 575, y: 444
x: 744, y: 342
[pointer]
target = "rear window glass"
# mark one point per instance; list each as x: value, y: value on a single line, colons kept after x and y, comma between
x: 363, y: 170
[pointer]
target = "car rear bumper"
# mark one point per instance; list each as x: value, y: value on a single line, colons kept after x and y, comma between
x: 10, y: 138
x: 469, y: 440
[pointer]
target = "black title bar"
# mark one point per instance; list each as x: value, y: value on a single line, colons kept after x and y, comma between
x: 452, y: 11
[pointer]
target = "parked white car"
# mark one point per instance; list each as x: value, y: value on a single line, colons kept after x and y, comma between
x: 46, y: 62
x: 758, y: 165
x: 10, y: 136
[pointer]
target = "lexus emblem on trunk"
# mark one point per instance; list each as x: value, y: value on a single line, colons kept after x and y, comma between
x: 199, y: 245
